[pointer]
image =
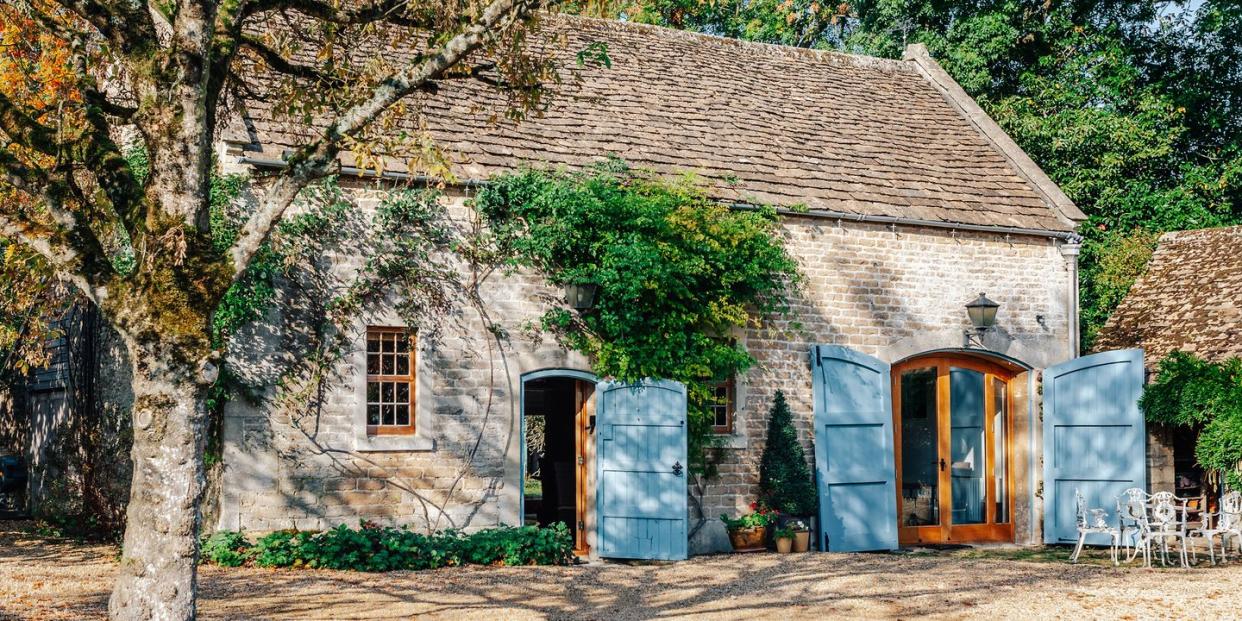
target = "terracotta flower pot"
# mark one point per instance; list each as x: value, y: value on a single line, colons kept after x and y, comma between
x: 748, y: 539
x: 802, y: 541
x: 784, y: 545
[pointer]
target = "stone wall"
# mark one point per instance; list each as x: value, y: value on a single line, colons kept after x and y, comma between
x: 888, y: 292
x: 891, y: 294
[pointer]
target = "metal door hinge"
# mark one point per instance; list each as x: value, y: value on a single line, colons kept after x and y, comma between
x: 581, y: 460
x: 677, y: 468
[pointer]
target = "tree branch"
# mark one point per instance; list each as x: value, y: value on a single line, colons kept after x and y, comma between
x: 312, y: 161
x: 125, y: 24
x: 285, y: 66
x: 391, y: 11
x: 111, y: 108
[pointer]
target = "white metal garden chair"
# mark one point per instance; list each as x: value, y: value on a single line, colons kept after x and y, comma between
x: 1091, y: 522
x: 1166, y: 519
x: 1225, y: 523
x: 1132, y: 523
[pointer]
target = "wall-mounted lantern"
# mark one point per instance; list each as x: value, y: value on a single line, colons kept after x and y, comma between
x: 580, y: 296
x: 982, y: 314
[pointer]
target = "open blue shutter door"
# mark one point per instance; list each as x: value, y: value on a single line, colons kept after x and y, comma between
x: 854, y: 450
x: 1094, y: 437
x: 641, y: 455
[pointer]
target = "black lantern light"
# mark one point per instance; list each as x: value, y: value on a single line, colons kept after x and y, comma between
x: 982, y: 312
x: 580, y: 296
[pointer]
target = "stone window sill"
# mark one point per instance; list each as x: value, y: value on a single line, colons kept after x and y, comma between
x: 376, y: 444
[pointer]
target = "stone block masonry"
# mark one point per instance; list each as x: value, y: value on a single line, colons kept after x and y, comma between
x: 888, y: 292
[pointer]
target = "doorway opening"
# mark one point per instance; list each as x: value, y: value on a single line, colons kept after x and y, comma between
x: 559, y: 416
x: 953, y: 422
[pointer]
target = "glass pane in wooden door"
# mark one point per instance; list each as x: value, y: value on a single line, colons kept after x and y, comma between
x: 999, y: 433
x: 968, y: 447
x: 920, y: 457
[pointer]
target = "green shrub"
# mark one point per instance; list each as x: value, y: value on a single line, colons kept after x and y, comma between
x: 1204, y: 398
x: 373, y: 548
x: 784, y: 478
x: 227, y: 548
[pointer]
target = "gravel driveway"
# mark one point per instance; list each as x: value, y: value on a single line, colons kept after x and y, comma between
x: 56, y: 580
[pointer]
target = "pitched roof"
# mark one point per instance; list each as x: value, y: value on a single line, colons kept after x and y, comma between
x: 1190, y: 299
x: 759, y: 123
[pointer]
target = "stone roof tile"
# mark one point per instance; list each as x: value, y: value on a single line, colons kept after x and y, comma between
x: 831, y: 131
x: 1189, y: 299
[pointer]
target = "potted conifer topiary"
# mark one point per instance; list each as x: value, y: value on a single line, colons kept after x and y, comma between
x: 784, y: 476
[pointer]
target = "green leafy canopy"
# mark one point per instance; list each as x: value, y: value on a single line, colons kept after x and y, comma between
x: 677, y: 272
x: 1205, y: 398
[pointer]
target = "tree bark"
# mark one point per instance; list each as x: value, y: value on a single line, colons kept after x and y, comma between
x: 158, y: 571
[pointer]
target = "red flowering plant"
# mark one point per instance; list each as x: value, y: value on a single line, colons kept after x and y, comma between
x: 760, y: 516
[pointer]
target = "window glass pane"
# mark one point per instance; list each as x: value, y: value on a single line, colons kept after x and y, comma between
x: 373, y: 414
x: 403, y: 364
x: 373, y: 391
x: 373, y: 364
x: 403, y: 415
x: 920, y: 449
x: 388, y: 342
x: 386, y: 391
x: 387, y: 411
x: 389, y: 364
x: 999, y: 432
x: 968, y: 453
x: 403, y: 392
x: 403, y: 343
x: 373, y: 343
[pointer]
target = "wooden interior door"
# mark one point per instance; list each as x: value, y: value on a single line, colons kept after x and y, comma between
x: 952, y: 423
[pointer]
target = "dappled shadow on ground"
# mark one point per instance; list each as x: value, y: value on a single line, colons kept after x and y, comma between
x: 64, y: 581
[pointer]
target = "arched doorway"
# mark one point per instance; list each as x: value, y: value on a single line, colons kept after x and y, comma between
x: 953, y: 437
x: 558, y: 412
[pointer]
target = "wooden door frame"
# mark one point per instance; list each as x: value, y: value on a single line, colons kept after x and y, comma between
x: 584, y: 450
x: 945, y: 531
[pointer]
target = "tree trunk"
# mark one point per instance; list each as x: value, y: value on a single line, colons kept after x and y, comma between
x: 158, y: 572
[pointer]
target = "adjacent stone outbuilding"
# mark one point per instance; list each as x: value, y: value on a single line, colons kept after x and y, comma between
x: 1189, y: 299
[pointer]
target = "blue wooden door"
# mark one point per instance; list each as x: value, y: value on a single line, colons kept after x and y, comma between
x: 641, y: 473
x: 1094, y: 437
x: 854, y: 450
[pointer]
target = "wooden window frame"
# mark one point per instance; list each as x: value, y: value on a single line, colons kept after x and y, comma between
x: 409, y: 379
x: 730, y: 406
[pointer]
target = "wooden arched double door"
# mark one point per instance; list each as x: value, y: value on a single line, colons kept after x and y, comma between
x: 952, y: 426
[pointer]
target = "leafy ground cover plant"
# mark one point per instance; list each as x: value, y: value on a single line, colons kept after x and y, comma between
x: 377, y: 548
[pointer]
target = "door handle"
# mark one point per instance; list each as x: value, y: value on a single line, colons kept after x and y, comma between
x: 942, y: 464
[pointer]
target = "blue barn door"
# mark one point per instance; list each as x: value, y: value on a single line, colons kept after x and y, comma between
x: 854, y: 450
x: 641, y: 472
x: 1094, y: 437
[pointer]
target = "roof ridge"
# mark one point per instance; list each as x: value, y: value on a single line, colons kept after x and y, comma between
x: 861, y: 61
x: 1204, y: 231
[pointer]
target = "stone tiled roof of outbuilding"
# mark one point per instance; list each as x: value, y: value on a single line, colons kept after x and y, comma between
x: 758, y: 123
x: 1189, y: 299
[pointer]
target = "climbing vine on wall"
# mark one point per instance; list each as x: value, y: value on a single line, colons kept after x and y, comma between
x: 1206, y: 398
x: 677, y: 272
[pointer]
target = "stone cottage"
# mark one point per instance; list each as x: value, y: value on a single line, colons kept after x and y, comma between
x: 901, y: 201
x: 1189, y: 299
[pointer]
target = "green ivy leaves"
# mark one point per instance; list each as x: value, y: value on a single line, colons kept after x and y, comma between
x: 677, y: 272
